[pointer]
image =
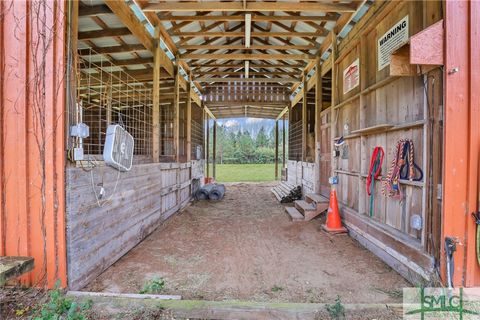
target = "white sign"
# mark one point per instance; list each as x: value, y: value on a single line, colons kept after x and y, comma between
x: 390, y: 41
x: 351, y: 76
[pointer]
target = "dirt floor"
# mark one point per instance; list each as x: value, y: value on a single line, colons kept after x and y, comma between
x: 246, y: 248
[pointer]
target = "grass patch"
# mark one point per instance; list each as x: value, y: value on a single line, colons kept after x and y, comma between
x: 276, y: 288
x: 337, y: 310
x: 245, y: 172
x: 60, y: 307
x: 153, y: 286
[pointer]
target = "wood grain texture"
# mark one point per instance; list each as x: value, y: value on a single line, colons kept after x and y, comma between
x: 144, y: 198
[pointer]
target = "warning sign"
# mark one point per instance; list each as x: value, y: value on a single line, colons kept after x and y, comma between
x: 390, y: 41
x: 351, y: 76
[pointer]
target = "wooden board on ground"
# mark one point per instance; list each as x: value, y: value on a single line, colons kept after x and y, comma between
x: 12, y: 267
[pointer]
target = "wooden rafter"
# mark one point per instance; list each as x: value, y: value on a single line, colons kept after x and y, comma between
x: 233, y: 18
x: 104, y: 33
x: 216, y: 6
x: 247, y: 56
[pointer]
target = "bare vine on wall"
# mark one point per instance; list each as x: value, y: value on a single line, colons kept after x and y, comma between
x: 38, y: 32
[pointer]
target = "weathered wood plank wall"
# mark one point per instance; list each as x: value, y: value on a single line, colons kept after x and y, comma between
x: 302, y: 174
x: 380, y: 111
x: 136, y: 202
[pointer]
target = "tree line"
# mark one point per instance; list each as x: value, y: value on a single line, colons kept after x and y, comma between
x: 241, y: 146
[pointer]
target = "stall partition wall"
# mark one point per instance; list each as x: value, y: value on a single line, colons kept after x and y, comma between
x: 100, y: 231
x: 32, y: 161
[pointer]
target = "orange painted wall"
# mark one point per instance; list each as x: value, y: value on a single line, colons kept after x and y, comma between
x: 462, y: 136
x: 32, y: 160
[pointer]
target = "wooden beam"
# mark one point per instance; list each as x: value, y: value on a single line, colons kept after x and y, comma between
x: 214, y: 150
x: 239, y: 73
x: 242, y: 47
x: 318, y: 122
x: 105, y: 33
x: 216, y: 6
x: 283, y: 142
x: 93, y: 10
x: 276, y: 150
x: 231, y: 34
x: 333, y: 122
x: 207, y: 110
x: 236, y: 65
x: 255, y: 80
x: 176, y: 119
x: 113, y: 49
x: 117, y: 63
x: 234, y: 18
x: 130, y: 20
x: 207, y: 143
x: 246, y: 56
x: 189, y: 122
x: 156, y: 104
x: 304, y: 118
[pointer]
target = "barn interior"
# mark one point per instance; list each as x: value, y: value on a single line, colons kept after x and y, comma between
x: 166, y: 71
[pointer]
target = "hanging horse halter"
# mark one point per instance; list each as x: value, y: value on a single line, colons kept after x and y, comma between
x: 373, y: 173
x: 403, y: 167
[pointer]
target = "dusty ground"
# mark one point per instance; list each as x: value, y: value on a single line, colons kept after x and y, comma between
x: 245, y: 247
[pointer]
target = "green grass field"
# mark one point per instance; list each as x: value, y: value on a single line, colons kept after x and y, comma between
x: 245, y: 172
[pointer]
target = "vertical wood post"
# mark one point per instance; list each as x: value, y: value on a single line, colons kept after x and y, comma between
x: 304, y: 118
x: 189, y: 119
x: 176, y: 119
x: 276, y: 150
x: 283, y: 143
x: 318, y: 111
x: 214, y: 156
x: 333, y: 121
x: 156, y: 100
x: 207, y: 147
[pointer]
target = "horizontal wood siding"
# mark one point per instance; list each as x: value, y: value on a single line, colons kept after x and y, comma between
x: 97, y: 236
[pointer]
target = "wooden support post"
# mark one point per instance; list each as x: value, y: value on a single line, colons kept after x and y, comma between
x: 72, y: 78
x: 176, y: 119
x: 283, y: 144
x: 304, y: 118
x: 156, y: 101
x: 214, y: 155
x: 318, y: 110
x: 333, y: 121
x: 108, y: 102
x: 189, y: 120
x: 276, y: 150
x: 207, y: 147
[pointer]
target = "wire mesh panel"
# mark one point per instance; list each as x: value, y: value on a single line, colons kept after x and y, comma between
x: 197, y: 132
x: 295, y: 134
x: 107, y: 94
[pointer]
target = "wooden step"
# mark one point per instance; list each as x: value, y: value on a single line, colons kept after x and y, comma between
x: 12, y: 267
x: 303, y: 206
x: 314, y: 197
x: 321, y: 207
x: 294, y: 214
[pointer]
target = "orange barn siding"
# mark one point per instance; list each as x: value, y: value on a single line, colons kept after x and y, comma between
x: 32, y: 159
x: 462, y: 136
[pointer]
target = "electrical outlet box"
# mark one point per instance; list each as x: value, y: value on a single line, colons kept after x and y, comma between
x: 80, y: 130
x: 416, y: 222
x: 333, y: 180
x: 78, y: 154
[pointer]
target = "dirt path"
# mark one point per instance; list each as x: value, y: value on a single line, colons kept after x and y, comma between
x: 245, y: 247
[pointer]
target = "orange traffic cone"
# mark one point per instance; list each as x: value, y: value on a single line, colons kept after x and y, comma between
x: 334, y: 222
